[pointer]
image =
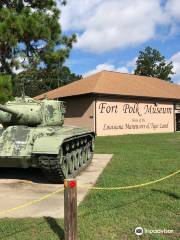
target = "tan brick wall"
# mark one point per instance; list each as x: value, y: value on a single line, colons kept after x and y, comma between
x: 80, y: 111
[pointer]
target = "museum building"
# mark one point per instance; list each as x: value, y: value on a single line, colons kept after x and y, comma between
x: 113, y: 103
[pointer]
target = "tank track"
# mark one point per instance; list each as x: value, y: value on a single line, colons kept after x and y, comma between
x: 74, y: 156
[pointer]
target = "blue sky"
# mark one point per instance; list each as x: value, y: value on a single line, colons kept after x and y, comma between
x: 112, y: 32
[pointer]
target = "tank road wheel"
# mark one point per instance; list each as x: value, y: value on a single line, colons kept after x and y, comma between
x: 80, y: 156
x: 71, y: 161
x: 89, y: 151
x: 65, y: 167
x: 76, y: 159
x: 77, y: 143
x: 85, y: 140
x: 81, y: 142
x: 85, y: 154
x: 67, y: 147
x: 73, y: 145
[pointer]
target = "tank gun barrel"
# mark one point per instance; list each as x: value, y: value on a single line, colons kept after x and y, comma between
x: 8, y: 110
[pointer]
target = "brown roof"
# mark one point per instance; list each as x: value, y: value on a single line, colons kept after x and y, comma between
x: 108, y: 82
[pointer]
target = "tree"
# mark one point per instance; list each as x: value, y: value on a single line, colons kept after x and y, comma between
x: 30, y: 35
x: 151, y: 63
x: 5, y: 88
x: 31, y: 41
x: 37, y: 81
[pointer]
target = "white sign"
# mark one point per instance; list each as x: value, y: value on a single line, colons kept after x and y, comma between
x: 118, y: 117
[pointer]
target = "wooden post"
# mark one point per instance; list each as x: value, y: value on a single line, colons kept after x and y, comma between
x: 70, y: 209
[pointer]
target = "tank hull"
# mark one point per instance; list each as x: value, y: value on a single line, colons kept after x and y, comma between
x: 11, y: 162
x: 60, y: 152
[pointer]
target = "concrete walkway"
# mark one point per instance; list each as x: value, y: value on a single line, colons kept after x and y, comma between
x: 20, y: 186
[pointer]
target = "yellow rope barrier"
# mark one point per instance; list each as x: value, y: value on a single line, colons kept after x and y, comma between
x: 136, y: 186
x: 27, y: 204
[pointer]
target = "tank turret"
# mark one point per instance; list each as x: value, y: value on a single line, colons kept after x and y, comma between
x: 30, y: 112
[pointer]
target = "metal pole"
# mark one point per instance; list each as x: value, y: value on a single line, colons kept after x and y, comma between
x: 70, y: 209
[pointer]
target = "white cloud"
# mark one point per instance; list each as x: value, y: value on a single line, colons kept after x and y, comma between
x: 173, y: 8
x: 176, y: 62
x: 100, y: 67
x: 106, y: 66
x: 75, y: 15
x: 103, y: 25
x: 17, y: 70
x: 23, y: 64
x: 132, y: 63
x: 122, y: 69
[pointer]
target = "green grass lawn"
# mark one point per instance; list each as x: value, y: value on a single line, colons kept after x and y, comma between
x: 115, y: 214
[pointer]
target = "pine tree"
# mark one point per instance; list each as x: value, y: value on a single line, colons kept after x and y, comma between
x: 151, y: 63
x: 30, y: 35
x: 31, y: 40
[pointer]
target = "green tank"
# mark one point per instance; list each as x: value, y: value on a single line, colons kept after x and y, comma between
x: 33, y: 135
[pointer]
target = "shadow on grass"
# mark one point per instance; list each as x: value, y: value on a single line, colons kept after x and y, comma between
x: 170, y: 194
x: 55, y: 227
